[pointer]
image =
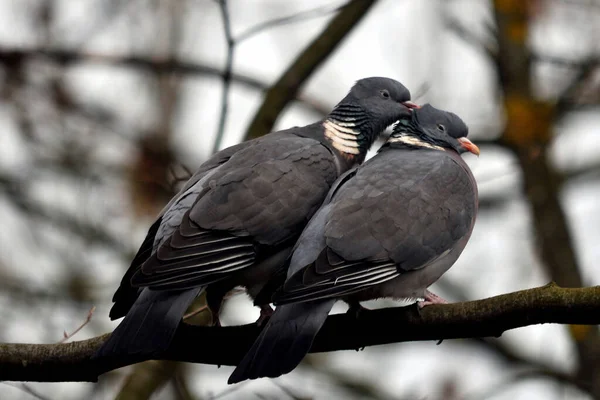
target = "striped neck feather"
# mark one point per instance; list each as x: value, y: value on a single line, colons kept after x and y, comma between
x: 343, y: 135
x: 411, y: 140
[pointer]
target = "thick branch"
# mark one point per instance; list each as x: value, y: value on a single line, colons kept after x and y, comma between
x: 226, y: 345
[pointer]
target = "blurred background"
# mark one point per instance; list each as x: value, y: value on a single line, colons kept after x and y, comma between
x: 105, y: 105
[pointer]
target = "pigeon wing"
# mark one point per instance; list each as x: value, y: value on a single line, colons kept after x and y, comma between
x: 397, y: 214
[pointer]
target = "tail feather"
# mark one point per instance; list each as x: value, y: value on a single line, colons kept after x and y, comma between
x: 126, y: 295
x: 150, y: 325
x: 285, y: 340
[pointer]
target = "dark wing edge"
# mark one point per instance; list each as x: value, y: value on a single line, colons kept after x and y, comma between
x: 126, y: 295
x: 194, y: 257
x: 325, y: 279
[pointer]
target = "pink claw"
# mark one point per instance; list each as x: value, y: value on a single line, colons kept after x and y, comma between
x: 431, y: 298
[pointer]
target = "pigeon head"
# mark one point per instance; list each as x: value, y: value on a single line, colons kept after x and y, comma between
x: 372, y: 105
x: 430, y: 127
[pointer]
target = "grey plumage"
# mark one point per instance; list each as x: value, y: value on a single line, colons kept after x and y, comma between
x: 141, y: 326
x: 389, y: 228
x: 236, y: 219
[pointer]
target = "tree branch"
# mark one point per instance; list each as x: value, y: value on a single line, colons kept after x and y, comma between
x: 227, y: 345
x: 285, y: 89
x: 231, y: 43
x: 14, y: 57
x: 571, y: 94
x: 458, y: 28
x: 528, y: 132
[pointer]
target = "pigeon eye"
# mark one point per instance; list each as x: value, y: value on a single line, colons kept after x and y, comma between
x: 385, y: 94
x: 441, y: 128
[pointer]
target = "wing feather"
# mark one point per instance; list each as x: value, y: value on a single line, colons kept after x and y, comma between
x: 261, y: 196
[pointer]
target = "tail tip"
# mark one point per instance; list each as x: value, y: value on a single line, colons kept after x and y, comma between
x: 236, y: 378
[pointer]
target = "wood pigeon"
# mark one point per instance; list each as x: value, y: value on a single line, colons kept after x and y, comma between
x: 238, y: 216
x: 389, y: 228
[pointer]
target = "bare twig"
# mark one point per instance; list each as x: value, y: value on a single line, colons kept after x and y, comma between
x: 231, y: 44
x: 68, y: 336
x: 226, y: 74
x: 195, y: 312
x: 470, y: 37
x: 285, y: 89
x: 317, y: 12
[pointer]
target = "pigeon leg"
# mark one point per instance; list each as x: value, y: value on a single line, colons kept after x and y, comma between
x: 431, y: 298
x: 214, y: 300
x: 265, y: 313
x: 355, y: 309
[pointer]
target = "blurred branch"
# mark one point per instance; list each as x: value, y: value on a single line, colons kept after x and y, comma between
x: 579, y: 83
x: 318, y: 12
x: 528, y: 131
x: 151, y: 168
x: 65, y: 58
x: 148, y: 378
x: 510, y: 382
x: 491, y: 50
x: 104, y: 16
x: 52, y: 215
x: 365, y: 388
x: 549, y: 220
x: 285, y: 89
x: 27, y: 389
x: 226, y: 74
x: 226, y: 345
x: 17, y: 289
x: 180, y: 384
x: 231, y: 44
x: 470, y: 37
x: 534, y: 367
x: 589, y: 171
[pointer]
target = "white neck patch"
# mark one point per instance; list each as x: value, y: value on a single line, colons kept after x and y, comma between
x: 413, y: 141
x: 342, y: 137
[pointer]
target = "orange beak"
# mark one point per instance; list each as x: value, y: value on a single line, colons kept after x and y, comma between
x: 469, y: 146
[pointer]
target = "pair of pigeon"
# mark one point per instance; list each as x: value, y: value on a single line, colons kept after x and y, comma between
x: 294, y: 219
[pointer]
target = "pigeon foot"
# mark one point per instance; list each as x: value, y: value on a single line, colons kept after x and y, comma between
x: 430, y: 299
x: 265, y: 313
x: 355, y: 309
